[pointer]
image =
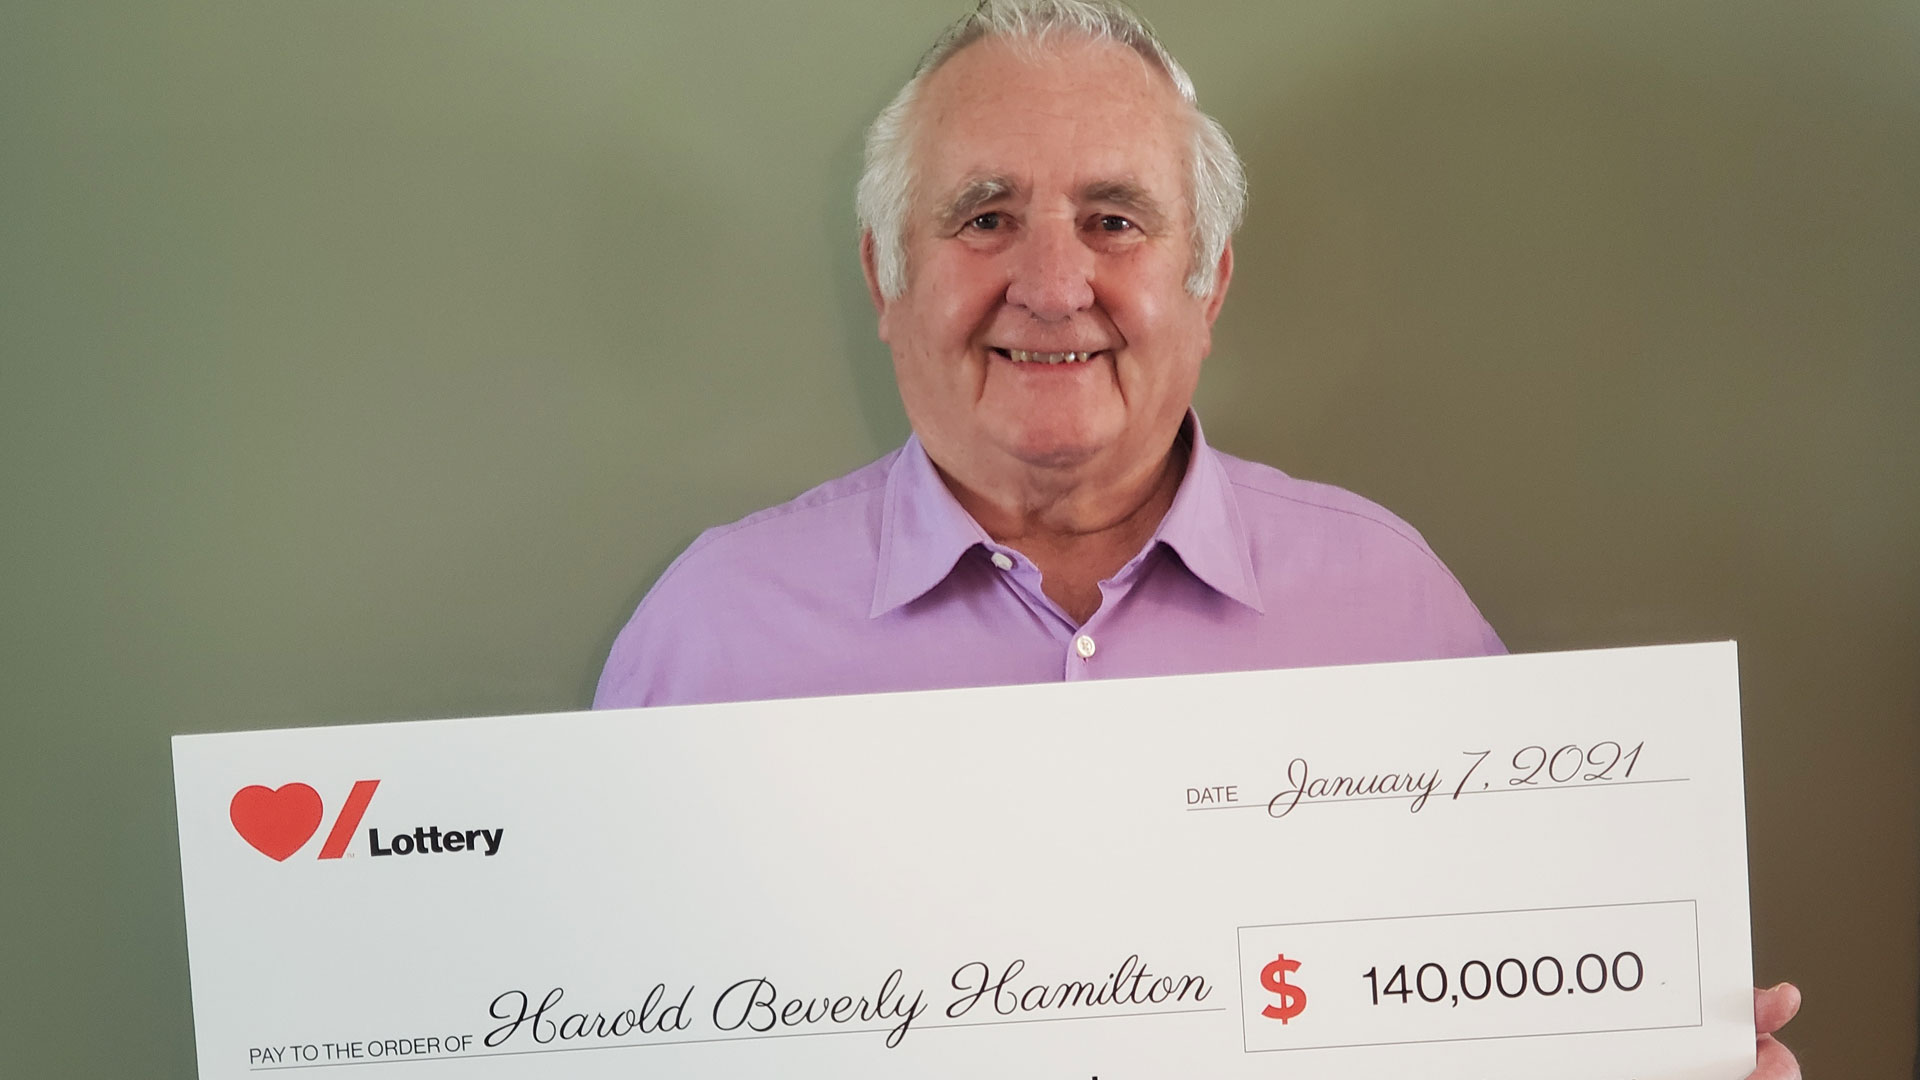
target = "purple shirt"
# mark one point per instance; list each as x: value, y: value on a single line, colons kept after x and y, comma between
x: 881, y: 581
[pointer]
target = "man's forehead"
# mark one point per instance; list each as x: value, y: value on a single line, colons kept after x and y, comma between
x: 1070, y: 114
x: 1061, y: 63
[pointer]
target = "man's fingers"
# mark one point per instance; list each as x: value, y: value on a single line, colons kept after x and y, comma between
x: 1774, y: 1062
x: 1774, y: 1007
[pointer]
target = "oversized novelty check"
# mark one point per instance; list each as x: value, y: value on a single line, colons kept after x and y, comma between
x: 1513, y: 867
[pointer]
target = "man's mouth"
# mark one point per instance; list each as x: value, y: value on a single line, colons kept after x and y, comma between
x: 1024, y: 356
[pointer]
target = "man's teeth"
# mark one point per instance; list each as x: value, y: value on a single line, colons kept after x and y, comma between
x: 1022, y: 356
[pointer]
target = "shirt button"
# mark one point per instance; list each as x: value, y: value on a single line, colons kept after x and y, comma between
x: 1000, y: 560
x: 1084, y: 646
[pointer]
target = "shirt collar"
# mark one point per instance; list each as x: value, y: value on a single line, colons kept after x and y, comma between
x: 1203, y: 526
x: 924, y: 530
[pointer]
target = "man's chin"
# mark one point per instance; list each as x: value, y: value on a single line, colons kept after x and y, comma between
x: 1057, y: 459
x: 1056, y: 451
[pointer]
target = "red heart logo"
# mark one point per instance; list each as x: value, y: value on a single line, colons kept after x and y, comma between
x: 276, y: 821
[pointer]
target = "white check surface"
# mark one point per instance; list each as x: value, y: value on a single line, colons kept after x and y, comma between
x: 1506, y: 867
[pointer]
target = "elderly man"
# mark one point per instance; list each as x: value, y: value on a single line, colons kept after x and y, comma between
x: 1047, y: 219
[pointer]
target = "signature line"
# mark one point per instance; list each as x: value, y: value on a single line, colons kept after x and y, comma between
x: 719, y: 1039
x: 1440, y: 797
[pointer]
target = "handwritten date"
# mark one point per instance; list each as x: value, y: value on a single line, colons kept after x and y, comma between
x: 1529, y: 767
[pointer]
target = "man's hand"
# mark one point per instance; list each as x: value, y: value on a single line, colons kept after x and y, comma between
x: 1771, y: 1011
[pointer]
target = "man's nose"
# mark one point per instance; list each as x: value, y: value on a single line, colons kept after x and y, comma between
x: 1051, y: 270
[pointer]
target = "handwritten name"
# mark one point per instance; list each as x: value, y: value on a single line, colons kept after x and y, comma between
x: 755, y: 1004
x: 1132, y: 983
x: 545, y: 1023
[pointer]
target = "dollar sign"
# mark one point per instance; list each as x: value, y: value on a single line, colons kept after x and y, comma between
x: 1292, y: 998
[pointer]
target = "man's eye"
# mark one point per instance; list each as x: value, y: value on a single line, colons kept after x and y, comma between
x: 986, y: 222
x: 1114, y: 223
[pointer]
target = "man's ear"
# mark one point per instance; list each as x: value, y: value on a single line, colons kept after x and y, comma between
x: 869, y: 265
x: 1222, y: 274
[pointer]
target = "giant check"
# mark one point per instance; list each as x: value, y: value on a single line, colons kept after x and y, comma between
x: 1519, y: 867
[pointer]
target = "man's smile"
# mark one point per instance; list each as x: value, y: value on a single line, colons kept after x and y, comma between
x: 1025, y: 356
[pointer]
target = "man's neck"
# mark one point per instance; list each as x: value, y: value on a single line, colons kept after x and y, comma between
x: 1078, y: 531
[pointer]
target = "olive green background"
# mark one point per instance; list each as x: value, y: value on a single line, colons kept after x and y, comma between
x: 363, y: 361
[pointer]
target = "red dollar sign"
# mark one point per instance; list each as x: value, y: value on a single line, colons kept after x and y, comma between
x: 1292, y: 998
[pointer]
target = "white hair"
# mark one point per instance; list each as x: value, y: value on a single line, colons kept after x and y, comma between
x: 1216, y: 180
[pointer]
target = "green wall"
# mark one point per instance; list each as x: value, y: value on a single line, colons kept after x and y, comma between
x: 362, y: 361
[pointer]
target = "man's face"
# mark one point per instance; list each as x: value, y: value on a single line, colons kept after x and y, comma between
x: 1050, y: 217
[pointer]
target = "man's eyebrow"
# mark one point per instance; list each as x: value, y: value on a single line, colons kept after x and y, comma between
x: 973, y: 195
x: 1126, y: 195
